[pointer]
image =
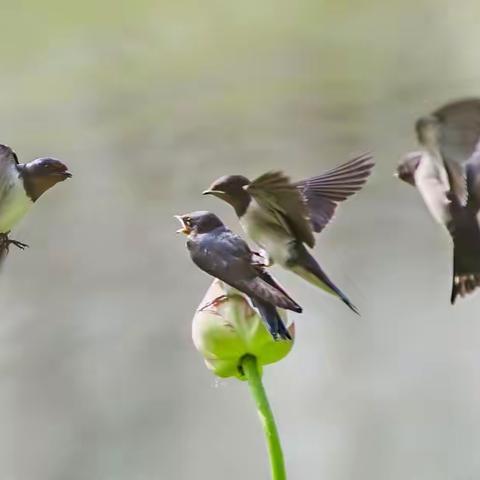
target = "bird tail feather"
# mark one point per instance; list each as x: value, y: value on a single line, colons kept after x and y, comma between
x: 308, y: 268
x: 272, y: 320
x: 466, y: 270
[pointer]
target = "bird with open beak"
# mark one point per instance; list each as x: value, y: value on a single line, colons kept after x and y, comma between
x: 446, y: 172
x: 21, y: 185
x: 281, y: 216
x: 224, y: 255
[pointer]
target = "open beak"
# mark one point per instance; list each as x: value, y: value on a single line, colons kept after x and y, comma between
x: 63, y: 174
x: 185, y: 230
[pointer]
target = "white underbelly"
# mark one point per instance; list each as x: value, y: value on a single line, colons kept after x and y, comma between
x: 14, y: 204
x: 270, y: 237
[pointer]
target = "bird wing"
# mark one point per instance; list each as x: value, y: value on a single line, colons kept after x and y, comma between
x: 323, y: 193
x: 7, y: 158
x: 227, y: 257
x: 472, y: 173
x: 259, y: 288
x: 460, y: 129
x: 274, y: 192
x: 458, y: 138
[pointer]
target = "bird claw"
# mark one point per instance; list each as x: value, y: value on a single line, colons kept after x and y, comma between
x: 264, y: 259
x: 214, y: 303
x: 5, y: 242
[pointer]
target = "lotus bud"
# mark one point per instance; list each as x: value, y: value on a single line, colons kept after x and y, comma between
x: 226, y: 328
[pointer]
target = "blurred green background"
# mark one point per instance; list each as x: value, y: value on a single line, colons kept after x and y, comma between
x: 148, y: 102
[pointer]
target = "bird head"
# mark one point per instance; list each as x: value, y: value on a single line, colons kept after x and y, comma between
x: 42, y: 174
x: 407, y: 167
x: 198, y: 222
x: 231, y: 189
x: 228, y: 187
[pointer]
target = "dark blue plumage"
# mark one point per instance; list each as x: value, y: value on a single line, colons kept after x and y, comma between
x: 221, y: 253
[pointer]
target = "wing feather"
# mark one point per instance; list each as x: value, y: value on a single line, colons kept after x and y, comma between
x: 322, y: 193
x: 460, y: 129
x: 275, y: 192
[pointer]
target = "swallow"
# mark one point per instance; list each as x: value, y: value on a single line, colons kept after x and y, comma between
x: 281, y: 216
x: 446, y: 172
x: 21, y: 185
x: 224, y: 255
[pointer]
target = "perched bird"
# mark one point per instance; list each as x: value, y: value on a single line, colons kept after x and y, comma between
x: 446, y: 172
x: 281, y: 216
x: 221, y: 253
x: 21, y: 184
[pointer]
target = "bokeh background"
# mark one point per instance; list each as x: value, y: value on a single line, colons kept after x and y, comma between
x: 148, y: 102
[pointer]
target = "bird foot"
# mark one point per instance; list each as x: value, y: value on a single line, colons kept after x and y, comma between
x: 214, y: 303
x: 5, y: 242
x: 262, y: 259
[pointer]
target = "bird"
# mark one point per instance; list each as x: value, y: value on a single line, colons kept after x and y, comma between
x: 446, y: 172
x: 281, y: 216
x: 218, y: 251
x: 21, y: 185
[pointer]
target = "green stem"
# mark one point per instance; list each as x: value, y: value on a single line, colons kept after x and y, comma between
x: 277, y: 464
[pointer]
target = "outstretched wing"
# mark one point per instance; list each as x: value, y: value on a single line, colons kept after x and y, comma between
x: 460, y: 129
x: 274, y: 192
x: 323, y: 193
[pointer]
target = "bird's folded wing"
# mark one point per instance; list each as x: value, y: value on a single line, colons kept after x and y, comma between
x: 472, y: 169
x: 258, y: 287
x: 276, y: 193
x: 266, y: 277
x: 323, y: 193
x: 457, y: 179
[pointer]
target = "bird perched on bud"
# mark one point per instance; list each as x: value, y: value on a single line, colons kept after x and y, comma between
x: 21, y: 185
x: 446, y: 172
x: 221, y: 253
x: 281, y: 216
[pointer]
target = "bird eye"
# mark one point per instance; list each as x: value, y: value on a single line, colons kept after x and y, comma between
x: 188, y: 222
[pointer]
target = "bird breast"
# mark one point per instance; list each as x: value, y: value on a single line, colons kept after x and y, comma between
x: 263, y: 228
x: 433, y: 186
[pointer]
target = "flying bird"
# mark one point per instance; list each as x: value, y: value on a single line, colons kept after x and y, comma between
x: 21, y: 185
x: 281, y: 216
x: 446, y: 172
x: 224, y: 255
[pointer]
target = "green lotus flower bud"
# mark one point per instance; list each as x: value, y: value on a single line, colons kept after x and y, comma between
x: 226, y: 328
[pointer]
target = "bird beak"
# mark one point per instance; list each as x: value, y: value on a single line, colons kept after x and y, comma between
x: 212, y: 192
x: 395, y: 174
x: 185, y: 230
